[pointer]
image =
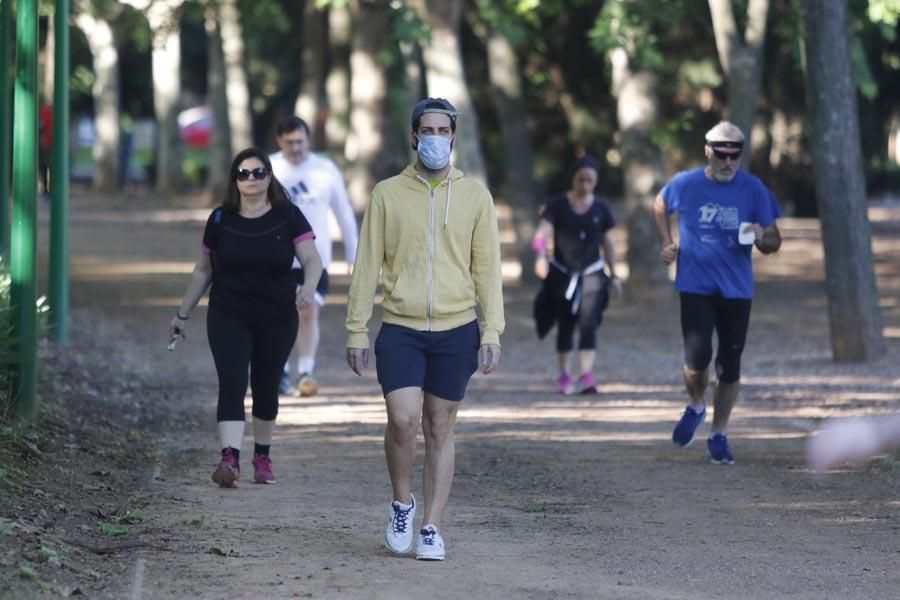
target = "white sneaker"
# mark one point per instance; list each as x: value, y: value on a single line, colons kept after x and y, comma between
x: 398, y: 537
x: 431, y: 544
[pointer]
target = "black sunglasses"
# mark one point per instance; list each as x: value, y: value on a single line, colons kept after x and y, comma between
x: 723, y: 155
x: 259, y: 173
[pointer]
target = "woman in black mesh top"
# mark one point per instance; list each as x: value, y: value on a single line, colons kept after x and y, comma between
x: 249, y: 245
x: 577, y: 281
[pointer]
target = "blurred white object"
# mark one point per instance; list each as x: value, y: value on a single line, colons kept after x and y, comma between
x: 852, y: 440
x: 745, y: 239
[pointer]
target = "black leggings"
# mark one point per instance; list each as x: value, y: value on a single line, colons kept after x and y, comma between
x: 595, y: 297
x: 261, y: 342
x: 730, y: 317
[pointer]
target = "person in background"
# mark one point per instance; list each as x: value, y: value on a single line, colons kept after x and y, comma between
x: 316, y: 187
x: 249, y: 245
x: 723, y: 212
x: 576, y: 286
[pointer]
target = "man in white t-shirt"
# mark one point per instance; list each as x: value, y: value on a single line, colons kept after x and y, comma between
x: 316, y: 186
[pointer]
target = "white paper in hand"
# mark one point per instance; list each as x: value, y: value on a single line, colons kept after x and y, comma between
x: 747, y: 238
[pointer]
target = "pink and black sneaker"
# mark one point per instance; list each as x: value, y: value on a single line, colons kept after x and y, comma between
x: 227, y: 471
x: 262, y: 469
x: 564, y: 385
x: 587, y: 384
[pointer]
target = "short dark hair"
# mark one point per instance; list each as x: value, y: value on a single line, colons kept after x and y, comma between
x: 584, y: 162
x: 276, y: 193
x: 292, y: 123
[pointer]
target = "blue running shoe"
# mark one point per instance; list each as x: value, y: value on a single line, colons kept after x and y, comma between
x: 683, y: 434
x: 719, y: 453
x: 285, y: 387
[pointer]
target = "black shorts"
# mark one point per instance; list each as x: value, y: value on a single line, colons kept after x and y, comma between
x: 439, y: 362
x: 729, y: 318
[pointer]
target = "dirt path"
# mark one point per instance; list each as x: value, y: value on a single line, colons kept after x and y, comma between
x: 579, y: 497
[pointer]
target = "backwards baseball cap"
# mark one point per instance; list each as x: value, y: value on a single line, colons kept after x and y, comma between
x: 433, y: 105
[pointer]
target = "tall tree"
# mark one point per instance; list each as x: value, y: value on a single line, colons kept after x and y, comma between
x: 445, y: 75
x: 312, y: 103
x: 337, y: 81
x: 853, y: 309
x: 220, y: 141
x: 238, y: 94
x: 505, y: 75
x: 628, y: 44
x: 367, y: 87
x: 164, y: 20
x: 741, y: 57
x: 99, y: 34
x: 163, y: 17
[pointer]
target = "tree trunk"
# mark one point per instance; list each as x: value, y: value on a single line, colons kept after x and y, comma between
x: 853, y: 309
x: 312, y: 102
x: 446, y: 78
x: 220, y: 141
x: 506, y: 87
x: 163, y: 17
x: 337, y: 83
x: 644, y: 175
x: 367, y: 87
x: 239, y: 116
x: 742, y: 62
x: 106, y: 99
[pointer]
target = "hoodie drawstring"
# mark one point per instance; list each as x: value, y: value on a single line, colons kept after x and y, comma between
x: 447, y: 208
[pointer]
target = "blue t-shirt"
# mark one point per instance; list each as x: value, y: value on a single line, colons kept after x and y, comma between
x: 710, y: 259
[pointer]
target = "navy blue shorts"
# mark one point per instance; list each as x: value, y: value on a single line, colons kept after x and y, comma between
x: 321, y: 288
x: 439, y: 362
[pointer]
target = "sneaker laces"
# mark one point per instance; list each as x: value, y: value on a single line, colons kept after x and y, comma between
x: 401, y: 518
x: 428, y: 536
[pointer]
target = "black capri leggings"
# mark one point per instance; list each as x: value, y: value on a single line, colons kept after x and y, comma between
x: 730, y: 317
x: 594, y: 299
x: 260, y: 343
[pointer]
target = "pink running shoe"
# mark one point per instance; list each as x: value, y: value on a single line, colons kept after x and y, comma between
x: 262, y: 469
x: 587, y: 384
x: 227, y: 471
x: 564, y: 385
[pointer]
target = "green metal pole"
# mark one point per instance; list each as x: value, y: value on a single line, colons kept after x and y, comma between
x: 6, y: 68
x: 23, y: 243
x: 59, y: 180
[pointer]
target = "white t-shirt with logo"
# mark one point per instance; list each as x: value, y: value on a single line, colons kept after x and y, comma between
x: 316, y: 187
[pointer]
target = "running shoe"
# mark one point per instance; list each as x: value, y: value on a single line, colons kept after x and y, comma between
x: 285, y: 387
x: 431, y: 544
x: 307, y: 385
x: 587, y: 384
x: 398, y: 537
x: 262, y: 469
x: 227, y: 471
x: 683, y: 434
x: 564, y: 385
x: 719, y: 452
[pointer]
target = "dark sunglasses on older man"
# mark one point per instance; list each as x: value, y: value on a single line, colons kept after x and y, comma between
x: 715, y: 147
x: 259, y: 173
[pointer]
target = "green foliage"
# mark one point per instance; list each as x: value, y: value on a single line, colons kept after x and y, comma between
x: 632, y: 26
x: 112, y: 529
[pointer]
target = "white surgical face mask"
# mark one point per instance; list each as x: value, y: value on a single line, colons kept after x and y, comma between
x: 434, y: 151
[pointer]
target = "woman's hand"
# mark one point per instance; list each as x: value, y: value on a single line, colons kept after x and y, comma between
x: 541, y: 266
x: 615, y: 287
x: 177, y: 328
x: 305, y: 298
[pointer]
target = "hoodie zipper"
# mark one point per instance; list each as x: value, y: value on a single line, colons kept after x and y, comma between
x: 430, y: 298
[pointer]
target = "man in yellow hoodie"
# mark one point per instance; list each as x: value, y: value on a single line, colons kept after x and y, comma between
x: 432, y: 234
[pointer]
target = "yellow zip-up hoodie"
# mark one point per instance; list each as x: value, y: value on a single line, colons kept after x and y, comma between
x: 439, y: 254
